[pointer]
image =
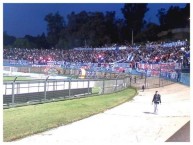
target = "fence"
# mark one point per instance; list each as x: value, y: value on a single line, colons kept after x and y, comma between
x: 18, y: 93
x: 150, y: 82
x: 40, y: 91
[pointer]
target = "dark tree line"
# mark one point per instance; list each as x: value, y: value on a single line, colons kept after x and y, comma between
x: 174, y: 17
x: 96, y: 29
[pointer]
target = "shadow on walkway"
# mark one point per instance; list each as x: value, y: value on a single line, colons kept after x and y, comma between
x: 148, y: 112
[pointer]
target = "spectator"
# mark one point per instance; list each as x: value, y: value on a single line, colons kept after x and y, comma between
x: 151, y: 52
x: 143, y: 88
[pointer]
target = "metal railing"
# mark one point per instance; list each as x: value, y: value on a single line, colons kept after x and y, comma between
x: 39, y: 91
x: 45, y: 90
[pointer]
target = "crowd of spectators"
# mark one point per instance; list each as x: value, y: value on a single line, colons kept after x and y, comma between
x: 163, y: 53
x: 151, y: 52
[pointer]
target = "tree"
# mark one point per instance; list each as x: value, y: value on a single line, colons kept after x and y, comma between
x: 62, y: 44
x: 162, y: 18
x: 134, y: 17
x: 55, y: 23
x: 149, y: 34
x: 186, y: 15
x: 41, y: 41
x: 172, y: 14
x: 23, y: 43
x: 31, y: 39
x: 91, y: 29
x: 174, y: 17
x: 120, y: 26
x: 75, y: 30
x: 98, y: 34
x: 8, y: 40
x: 111, y: 33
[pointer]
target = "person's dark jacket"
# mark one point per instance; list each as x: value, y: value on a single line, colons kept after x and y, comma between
x: 157, y: 98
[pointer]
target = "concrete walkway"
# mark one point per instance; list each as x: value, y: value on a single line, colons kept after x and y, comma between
x: 131, y: 122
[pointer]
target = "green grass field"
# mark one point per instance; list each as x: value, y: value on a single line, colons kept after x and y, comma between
x: 24, y: 121
x: 19, y: 78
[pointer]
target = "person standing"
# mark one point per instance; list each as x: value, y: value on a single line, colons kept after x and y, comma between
x: 143, y: 88
x: 156, y: 100
x: 135, y: 78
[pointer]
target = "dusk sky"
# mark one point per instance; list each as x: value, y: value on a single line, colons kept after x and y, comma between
x: 28, y: 19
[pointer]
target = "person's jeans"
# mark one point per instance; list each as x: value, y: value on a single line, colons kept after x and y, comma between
x: 155, y: 107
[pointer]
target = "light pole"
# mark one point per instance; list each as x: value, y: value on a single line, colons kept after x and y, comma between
x: 132, y: 37
x: 160, y: 75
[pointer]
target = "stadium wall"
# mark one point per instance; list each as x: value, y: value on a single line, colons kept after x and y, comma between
x: 185, y: 78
